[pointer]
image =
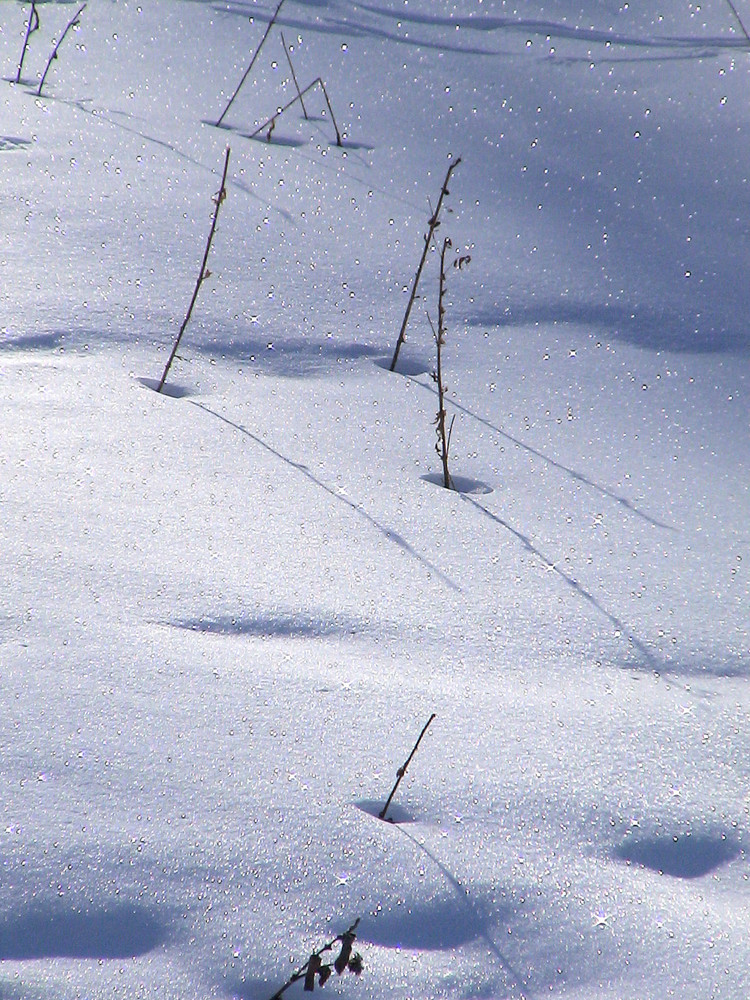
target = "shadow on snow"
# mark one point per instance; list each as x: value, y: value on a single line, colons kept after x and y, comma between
x: 267, y: 626
x: 640, y: 326
x: 122, y: 932
x: 681, y: 855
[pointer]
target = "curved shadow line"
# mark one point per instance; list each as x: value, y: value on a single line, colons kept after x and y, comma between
x: 683, y: 55
x: 100, y: 115
x: 388, y: 533
x: 577, y: 476
x: 569, y: 581
x: 463, y: 895
x: 345, y: 25
x: 488, y: 23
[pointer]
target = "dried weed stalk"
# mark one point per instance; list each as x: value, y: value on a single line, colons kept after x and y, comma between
x: 433, y: 224
x: 72, y: 23
x: 32, y: 25
x: 402, y: 770
x: 204, y: 272
x: 443, y: 443
x: 316, y: 970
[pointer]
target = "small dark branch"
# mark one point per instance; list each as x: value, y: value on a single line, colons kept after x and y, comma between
x: 246, y: 74
x: 402, y: 770
x: 71, y: 24
x: 204, y: 272
x: 300, y: 94
x: 434, y: 222
x: 333, y: 119
x: 31, y: 26
x: 739, y: 20
x: 315, y: 968
x: 288, y: 54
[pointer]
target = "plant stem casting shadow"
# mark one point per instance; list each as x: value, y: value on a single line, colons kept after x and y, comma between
x: 402, y: 770
x: 204, y: 272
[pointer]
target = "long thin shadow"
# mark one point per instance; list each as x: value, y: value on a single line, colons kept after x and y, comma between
x: 388, y: 533
x: 680, y: 55
x: 577, y: 476
x: 338, y: 25
x: 104, y: 116
x: 477, y: 917
x: 487, y: 23
x: 568, y: 580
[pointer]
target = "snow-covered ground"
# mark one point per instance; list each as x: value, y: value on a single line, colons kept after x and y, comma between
x: 227, y: 612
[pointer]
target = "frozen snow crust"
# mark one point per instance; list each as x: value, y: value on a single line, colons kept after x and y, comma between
x: 228, y: 609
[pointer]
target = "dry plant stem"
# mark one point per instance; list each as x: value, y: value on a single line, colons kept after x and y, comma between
x: 433, y: 224
x: 246, y: 74
x: 443, y: 443
x: 310, y: 969
x: 288, y: 54
x: 270, y: 123
x: 333, y: 119
x: 402, y: 770
x: 71, y: 23
x: 31, y: 27
x: 739, y: 20
x: 219, y: 198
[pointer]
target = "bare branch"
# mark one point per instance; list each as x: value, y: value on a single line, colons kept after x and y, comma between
x: 433, y: 224
x: 71, y: 23
x: 402, y: 770
x: 31, y: 26
x: 204, y: 273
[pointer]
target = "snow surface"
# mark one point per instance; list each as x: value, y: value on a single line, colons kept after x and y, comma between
x: 228, y: 610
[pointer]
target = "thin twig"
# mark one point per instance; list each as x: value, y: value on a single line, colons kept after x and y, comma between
x: 402, y: 770
x: 333, y: 119
x: 252, y: 63
x: 288, y: 54
x: 433, y: 224
x: 73, y: 21
x: 31, y: 27
x: 204, y: 273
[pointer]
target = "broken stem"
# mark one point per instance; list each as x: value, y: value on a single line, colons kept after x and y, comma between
x: 218, y: 199
x: 271, y: 122
x: 402, y: 770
